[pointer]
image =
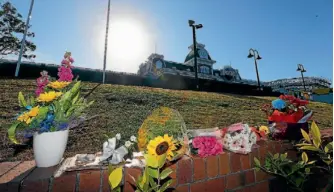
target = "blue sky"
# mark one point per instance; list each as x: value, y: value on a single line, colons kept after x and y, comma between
x: 285, y: 33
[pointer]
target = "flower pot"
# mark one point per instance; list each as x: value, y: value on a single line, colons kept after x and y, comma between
x: 49, y: 147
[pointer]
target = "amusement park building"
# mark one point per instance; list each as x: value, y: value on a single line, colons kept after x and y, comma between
x: 156, y: 65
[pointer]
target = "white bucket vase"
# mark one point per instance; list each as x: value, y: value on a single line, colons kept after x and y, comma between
x: 49, y: 147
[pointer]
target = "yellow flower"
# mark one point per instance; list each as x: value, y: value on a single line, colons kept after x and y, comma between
x: 161, y: 145
x: 34, y: 111
x: 264, y: 129
x: 27, y: 116
x: 58, y: 84
x: 49, y: 96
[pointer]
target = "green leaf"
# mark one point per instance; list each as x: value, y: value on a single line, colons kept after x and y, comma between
x: 306, y: 136
x: 315, y: 134
x: 110, y: 168
x: 115, y: 177
x: 257, y: 162
x: 165, y: 186
x: 307, y: 170
x: 303, y: 144
x: 152, y: 183
x: 311, y: 162
x: 22, y: 101
x: 153, y: 172
x: 42, y: 113
x: 329, y: 147
x: 257, y: 169
x: 276, y: 156
x: 298, y: 181
x: 304, y: 157
x: 12, y: 132
x: 165, y: 173
x: 283, y: 156
x: 310, y: 148
x: 162, y: 160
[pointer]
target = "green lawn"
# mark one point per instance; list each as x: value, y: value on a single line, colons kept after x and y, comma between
x: 122, y: 109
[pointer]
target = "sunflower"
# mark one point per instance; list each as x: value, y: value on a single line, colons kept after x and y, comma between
x: 27, y: 116
x: 58, y: 84
x: 161, y: 145
x: 34, y: 111
x: 49, y: 96
x: 264, y: 129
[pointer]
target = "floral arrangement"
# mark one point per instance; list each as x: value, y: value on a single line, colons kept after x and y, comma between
x: 57, y: 105
x: 288, y: 109
x: 115, y: 152
x: 155, y: 175
x: 206, y: 146
x: 163, y: 120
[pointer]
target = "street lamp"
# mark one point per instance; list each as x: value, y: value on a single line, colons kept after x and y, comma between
x: 194, y: 27
x: 254, y: 53
x: 302, y: 70
x: 23, y: 40
x: 106, y: 45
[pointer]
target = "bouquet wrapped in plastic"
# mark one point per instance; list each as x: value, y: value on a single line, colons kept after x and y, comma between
x: 287, y: 115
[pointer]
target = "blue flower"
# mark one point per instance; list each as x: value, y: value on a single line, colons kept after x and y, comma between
x: 46, y: 124
x: 62, y: 126
x: 28, y: 107
x: 278, y: 104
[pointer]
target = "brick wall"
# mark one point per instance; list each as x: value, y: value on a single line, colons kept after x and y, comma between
x: 226, y: 172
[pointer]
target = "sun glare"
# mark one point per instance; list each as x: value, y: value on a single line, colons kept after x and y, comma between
x: 128, y: 45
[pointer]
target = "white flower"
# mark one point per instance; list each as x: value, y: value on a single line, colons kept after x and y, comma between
x: 133, y: 138
x: 128, y: 144
x: 118, y: 136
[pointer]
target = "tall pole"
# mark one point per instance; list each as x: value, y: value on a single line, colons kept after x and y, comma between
x: 303, y: 80
x: 106, y: 45
x: 195, y: 57
x: 24, y: 40
x: 257, y: 74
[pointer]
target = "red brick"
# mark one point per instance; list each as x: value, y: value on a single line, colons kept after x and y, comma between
x: 263, y: 187
x: 249, y: 177
x: 239, y: 190
x: 135, y: 173
x: 263, y: 152
x: 6, y: 166
x: 105, y: 181
x: 292, y: 154
x: 184, y: 170
x: 287, y: 146
x: 173, y: 175
x: 22, y: 168
x: 199, y: 168
x: 89, y: 181
x: 212, y: 166
x: 233, y: 181
x: 254, y: 153
x: 235, y: 162
x: 277, y: 147
x: 183, y: 188
x: 210, y: 185
x: 224, y: 163
x: 35, y: 186
x: 245, y: 163
x: 64, y: 183
x: 261, y: 175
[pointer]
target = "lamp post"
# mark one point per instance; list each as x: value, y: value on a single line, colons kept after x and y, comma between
x: 300, y: 68
x: 106, y: 45
x: 24, y: 40
x: 254, y: 53
x: 194, y: 27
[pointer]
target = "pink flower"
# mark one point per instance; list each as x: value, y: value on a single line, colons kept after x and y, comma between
x: 71, y: 59
x: 197, y: 142
x: 65, y: 62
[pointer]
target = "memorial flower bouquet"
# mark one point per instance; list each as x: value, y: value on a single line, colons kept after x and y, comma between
x: 47, y: 116
x: 289, y: 111
x: 206, y: 146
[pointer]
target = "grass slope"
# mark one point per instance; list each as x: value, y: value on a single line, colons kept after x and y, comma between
x: 122, y: 109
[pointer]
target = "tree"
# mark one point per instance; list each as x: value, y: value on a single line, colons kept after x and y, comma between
x: 12, y: 25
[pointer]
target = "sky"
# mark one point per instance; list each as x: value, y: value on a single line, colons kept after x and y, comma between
x: 284, y: 32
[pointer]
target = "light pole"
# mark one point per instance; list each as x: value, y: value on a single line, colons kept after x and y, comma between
x: 194, y: 27
x: 254, y: 53
x: 106, y: 45
x: 24, y: 40
x: 302, y: 70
